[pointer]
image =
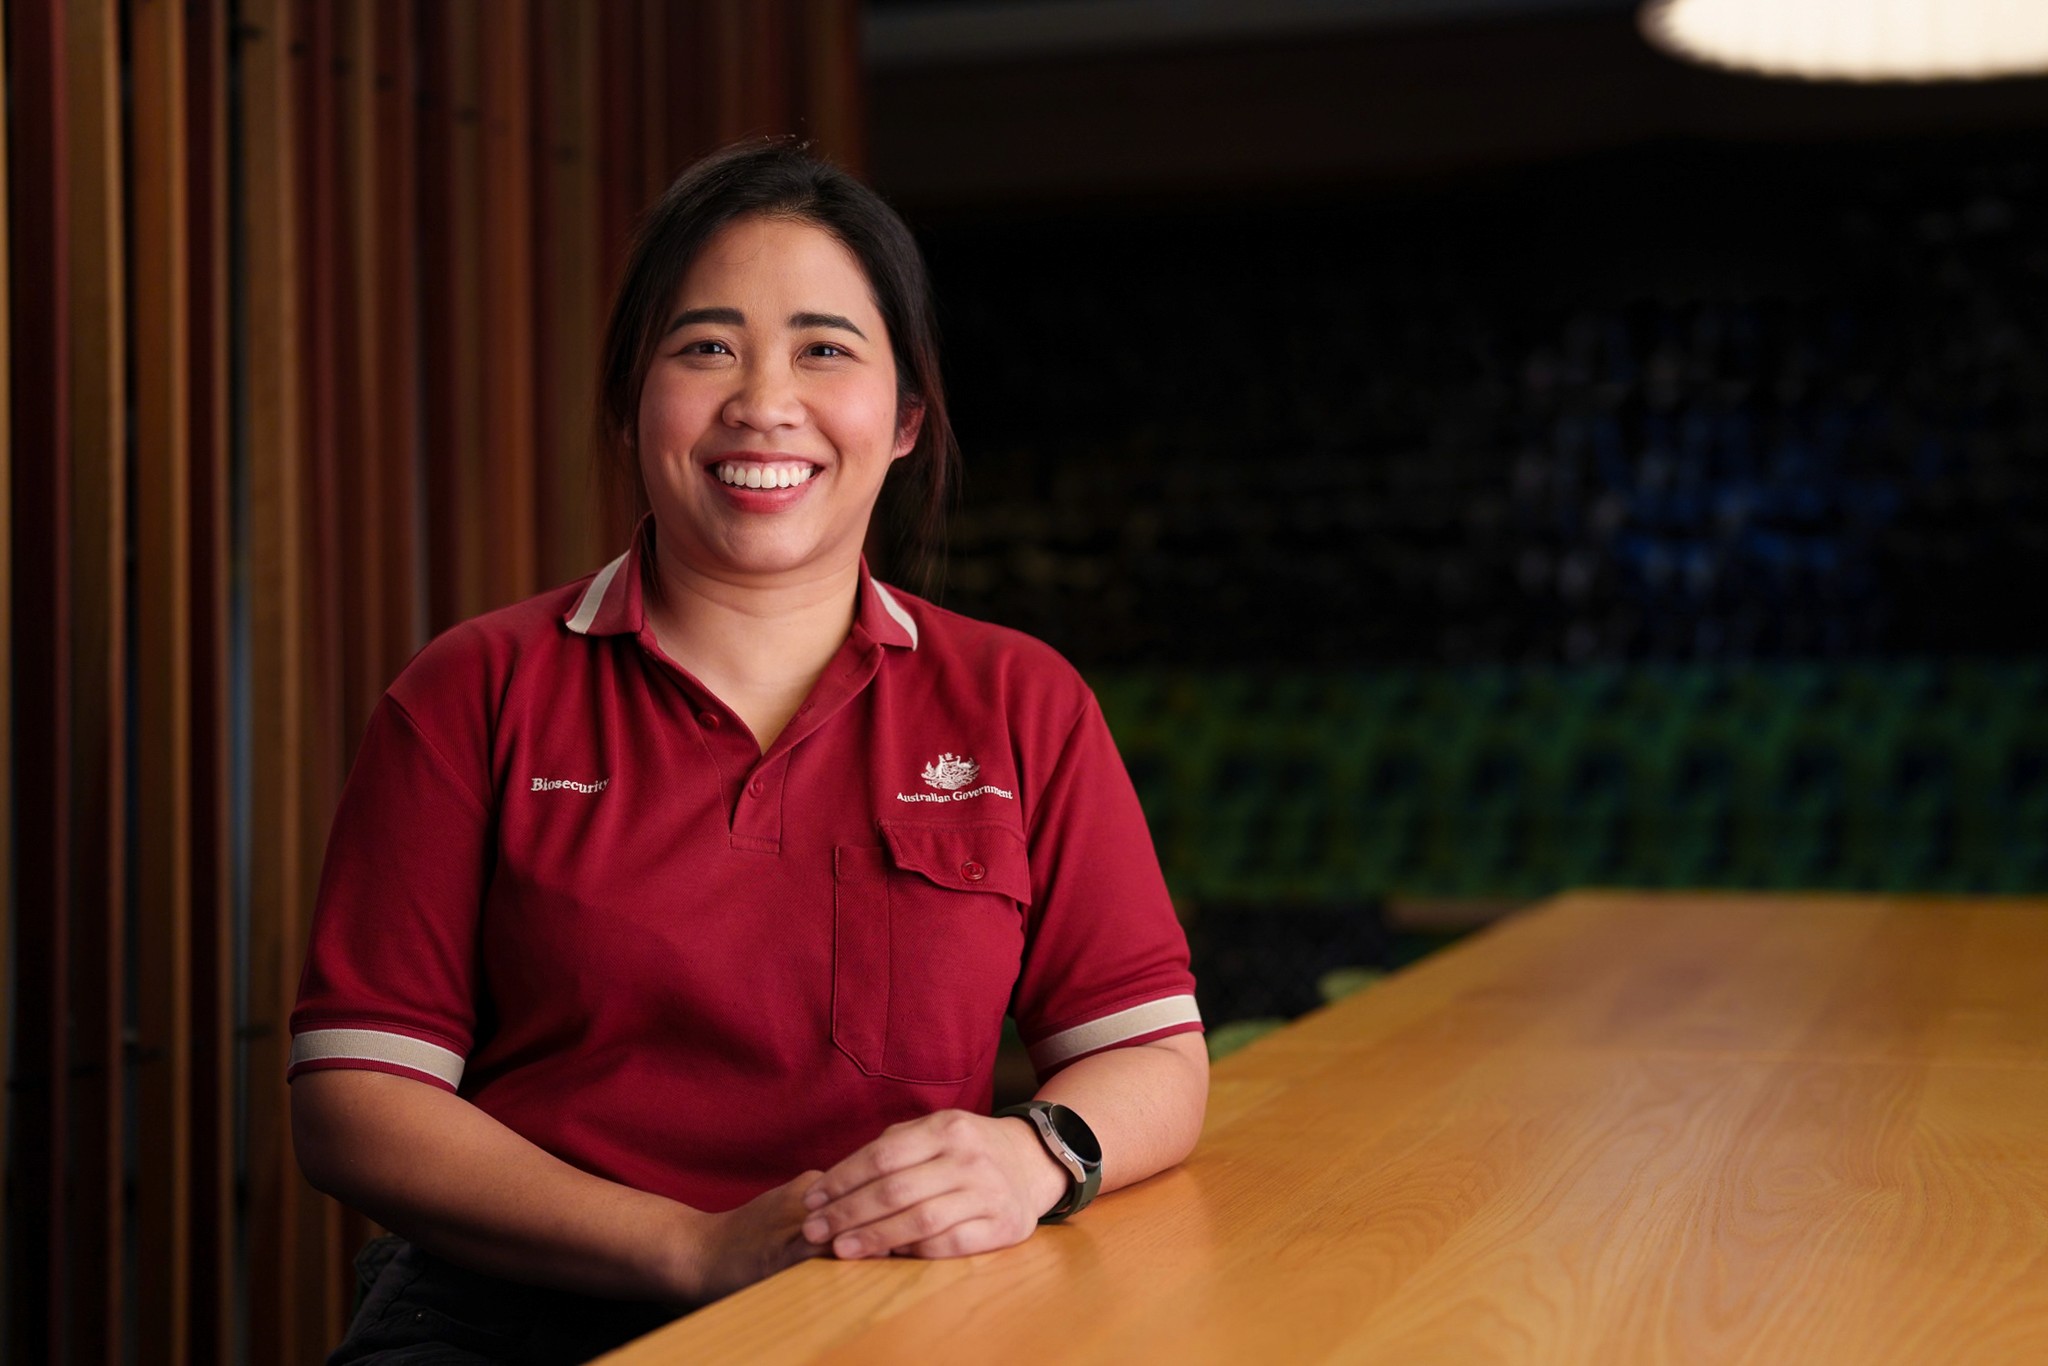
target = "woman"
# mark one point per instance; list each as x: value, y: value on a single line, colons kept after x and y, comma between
x: 669, y: 919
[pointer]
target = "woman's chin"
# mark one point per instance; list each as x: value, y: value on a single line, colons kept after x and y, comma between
x: 763, y: 553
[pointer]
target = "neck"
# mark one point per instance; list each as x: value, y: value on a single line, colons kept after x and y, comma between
x: 759, y: 645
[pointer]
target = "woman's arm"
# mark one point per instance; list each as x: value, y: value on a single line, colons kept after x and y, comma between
x: 952, y: 1183
x: 429, y: 1165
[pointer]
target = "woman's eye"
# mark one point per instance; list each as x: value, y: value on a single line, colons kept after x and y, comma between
x: 826, y: 350
x: 705, y: 348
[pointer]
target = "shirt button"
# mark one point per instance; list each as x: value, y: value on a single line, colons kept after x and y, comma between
x: 973, y: 871
x: 804, y: 710
x: 708, y: 720
x: 757, y: 787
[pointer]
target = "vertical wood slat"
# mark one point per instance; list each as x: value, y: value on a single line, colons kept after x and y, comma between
x: 351, y: 186
x: 163, y: 707
x: 277, y: 594
x: 657, y: 92
x: 569, y: 281
x: 766, y: 98
x: 395, y: 433
x: 508, y: 299
x: 829, y: 95
x: 468, y: 515
x: 462, y: 567
x: 6, y: 675
x: 99, y: 454
x: 723, y: 46
x: 441, y: 555
x: 327, y: 360
x: 366, y: 302
x: 690, y: 112
x: 40, y: 592
x: 618, y: 172
x: 210, y: 1242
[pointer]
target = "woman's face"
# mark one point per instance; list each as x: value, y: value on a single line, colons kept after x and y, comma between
x: 769, y: 417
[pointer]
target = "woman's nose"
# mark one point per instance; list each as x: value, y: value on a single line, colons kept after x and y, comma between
x: 766, y: 398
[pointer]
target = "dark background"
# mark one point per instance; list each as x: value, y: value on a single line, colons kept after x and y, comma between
x: 1478, y: 455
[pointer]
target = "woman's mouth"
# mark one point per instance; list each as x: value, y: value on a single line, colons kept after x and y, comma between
x: 752, y: 474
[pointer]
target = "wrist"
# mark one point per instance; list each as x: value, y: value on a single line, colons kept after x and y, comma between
x: 682, y: 1260
x: 1042, y: 1182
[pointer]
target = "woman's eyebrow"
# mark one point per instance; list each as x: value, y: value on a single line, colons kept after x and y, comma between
x: 801, y: 320
x: 731, y: 317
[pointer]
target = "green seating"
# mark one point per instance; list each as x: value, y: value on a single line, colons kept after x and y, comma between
x: 1323, y: 786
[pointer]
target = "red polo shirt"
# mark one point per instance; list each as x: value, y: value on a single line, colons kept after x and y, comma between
x: 565, y: 883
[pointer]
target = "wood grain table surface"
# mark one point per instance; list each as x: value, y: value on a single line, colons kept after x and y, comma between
x: 1620, y: 1127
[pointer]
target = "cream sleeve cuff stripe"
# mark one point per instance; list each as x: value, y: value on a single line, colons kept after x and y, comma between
x: 374, y: 1045
x: 1148, y: 1018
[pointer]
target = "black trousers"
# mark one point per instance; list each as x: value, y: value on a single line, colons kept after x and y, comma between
x: 423, y: 1311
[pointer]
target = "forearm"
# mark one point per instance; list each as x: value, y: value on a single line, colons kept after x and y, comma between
x: 1145, y: 1103
x: 433, y: 1167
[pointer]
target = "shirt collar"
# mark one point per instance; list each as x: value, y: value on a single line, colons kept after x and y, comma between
x: 611, y: 603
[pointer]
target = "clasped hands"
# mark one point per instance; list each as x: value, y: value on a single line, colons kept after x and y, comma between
x: 945, y: 1185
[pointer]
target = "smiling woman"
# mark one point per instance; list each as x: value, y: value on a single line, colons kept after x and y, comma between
x: 640, y: 970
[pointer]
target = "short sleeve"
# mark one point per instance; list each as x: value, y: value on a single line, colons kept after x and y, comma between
x: 390, y: 981
x: 1105, y: 960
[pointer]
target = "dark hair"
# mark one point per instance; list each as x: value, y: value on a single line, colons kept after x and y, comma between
x: 778, y: 177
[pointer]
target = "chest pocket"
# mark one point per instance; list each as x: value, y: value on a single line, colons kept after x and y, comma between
x: 927, y: 936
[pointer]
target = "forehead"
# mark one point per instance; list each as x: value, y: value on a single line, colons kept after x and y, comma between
x: 781, y: 260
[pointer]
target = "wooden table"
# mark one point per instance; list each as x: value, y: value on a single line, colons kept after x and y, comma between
x: 1621, y: 1127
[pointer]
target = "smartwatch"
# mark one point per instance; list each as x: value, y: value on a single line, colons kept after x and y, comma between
x: 1072, y: 1144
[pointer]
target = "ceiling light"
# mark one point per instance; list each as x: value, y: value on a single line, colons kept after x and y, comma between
x: 1856, y: 40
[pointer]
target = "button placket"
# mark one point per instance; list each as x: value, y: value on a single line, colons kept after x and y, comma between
x: 758, y: 819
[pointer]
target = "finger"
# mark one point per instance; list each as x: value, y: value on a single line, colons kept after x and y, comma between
x: 879, y: 1199
x: 899, y: 1146
x: 921, y: 1223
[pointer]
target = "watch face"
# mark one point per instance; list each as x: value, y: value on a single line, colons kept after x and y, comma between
x: 1076, y: 1135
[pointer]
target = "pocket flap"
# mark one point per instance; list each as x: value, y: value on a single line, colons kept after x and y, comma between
x: 963, y: 858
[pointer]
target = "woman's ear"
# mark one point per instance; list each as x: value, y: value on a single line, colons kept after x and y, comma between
x: 909, y: 422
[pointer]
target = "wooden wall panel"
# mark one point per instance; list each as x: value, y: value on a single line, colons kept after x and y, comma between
x: 466, y: 519
x: 766, y: 105
x: 570, y: 287
x: 278, y: 861
x: 209, y: 1249
x: 163, y: 707
x: 465, y: 226
x: 39, y: 318
x: 512, y: 520
x: 325, y: 621
x: 360, y: 301
x: 431, y: 201
x: 98, y: 760
x: 690, y: 112
x: 830, y: 92
x: 441, y: 552
x: 660, y: 28
x: 394, y: 276
x: 6, y: 667
x: 722, y: 44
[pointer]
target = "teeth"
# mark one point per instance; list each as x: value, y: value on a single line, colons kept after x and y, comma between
x: 751, y: 476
